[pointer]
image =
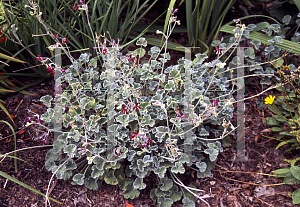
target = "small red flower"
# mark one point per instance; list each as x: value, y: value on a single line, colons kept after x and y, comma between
x: 55, y: 36
x: 131, y: 58
x: 3, y: 39
x: 136, y: 107
x: 105, y: 51
x: 179, y: 112
x: 124, y: 110
x: 39, y: 58
x: 76, y: 7
x: 133, y: 135
x: 65, y: 40
x: 215, y: 102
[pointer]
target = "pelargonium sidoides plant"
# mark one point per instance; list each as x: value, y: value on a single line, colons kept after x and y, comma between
x: 129, y: 119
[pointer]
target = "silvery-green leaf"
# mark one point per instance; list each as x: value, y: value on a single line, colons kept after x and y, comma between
x: 49, y: 164
x: 110, y: 178
x: 286, y: 19
x: 164, y: 202
x: 160, y: 171
x: 152, y: 85
x: 138, y: 184
x: 249, y: 53
x: 298, y: 21
x: 184, y: 158
x: 170, y: 86
x: 130, y: 155
x: 96, y: 172
x: 278, y: 39
x: 256, y: 43
x: 141, y: 174
x: 201, y: 165
x: 128, y: 171
x: 160, y: 193
x: 178, y: 168
x: 70, y: 165
x: 141, y: 41
x: 251, y: 27
x: 187, y: 202
x: 153, y: 194
x: 58, y: 146
x: 215, y: 43
x: 147, y: 120
x: 46, y: 100
x: 166, y: 55
x: 147, y: 159
x: 203, y: 132
x: 213, y: 153
x: 91, y: 183
x: 98, y: 151
x: 67, y: 174
x: 275, y: 27
x: 174, y: 74
x: 70, y: 150
x: 166, y: 184
x: 130, y: 191
x: 201, y: 58
x: 78, y: 179
x: 51, y: 156
x: 204, y: 174
x: 160, y: 77
x: 176, y: 196
x: 140, y: 52
x: 123, y: 119
x: 84, y: 57
x: 59, y: 170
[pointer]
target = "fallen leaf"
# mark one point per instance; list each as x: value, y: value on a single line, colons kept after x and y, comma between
x: 21, y: 132
x: 16, y: 100
x: 128, y: 205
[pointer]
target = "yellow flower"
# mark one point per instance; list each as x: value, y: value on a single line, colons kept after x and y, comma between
x: 270, y: 99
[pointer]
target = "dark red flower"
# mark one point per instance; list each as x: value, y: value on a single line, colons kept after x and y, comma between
x: 131, y: 58
x: 179, y: 112
x: 39, y: 58
x: 55, y: 36
x: 65, y: 40
x: 136, y: 107
x: 3, y: 39
x: 104, y: 51
x: 133, y: 135
x: 124, y: 110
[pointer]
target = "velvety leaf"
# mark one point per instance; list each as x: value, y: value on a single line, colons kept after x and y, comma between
x: 201, y: 165
x: 46, y: 100
x: 91, y: 183
x: 130, y: 192
x: 188, y: 202
x: 178, y: 168
x: 70, y: 165
x: 70, y: 150
x: 213, y: 153
x: 78, y: 179
x: 164, y: 202
x: 166, y: 184
x: 138, y: 184
x: 110, y: 178
x: 160, y: 171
